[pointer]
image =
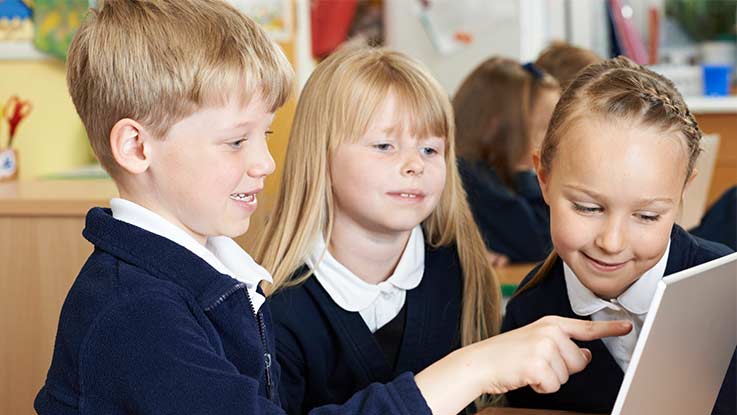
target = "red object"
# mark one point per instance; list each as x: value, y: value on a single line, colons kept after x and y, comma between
x: 14, y: 112
x: 654, y: 35
x: 330, y: 20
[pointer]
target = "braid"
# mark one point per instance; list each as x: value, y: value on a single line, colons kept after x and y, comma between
x: 675, y: 109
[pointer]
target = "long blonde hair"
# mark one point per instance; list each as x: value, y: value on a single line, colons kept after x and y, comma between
x: 336, y: 105
x: 618, y: 89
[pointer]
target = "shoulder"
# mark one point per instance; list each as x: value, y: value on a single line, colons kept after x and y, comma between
x: 688, y: 250
x: 549, y: 296
x: 296, y: 305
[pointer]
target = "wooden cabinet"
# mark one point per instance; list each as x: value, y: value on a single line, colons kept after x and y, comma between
x: 719, y: 116
x: 41, y: 252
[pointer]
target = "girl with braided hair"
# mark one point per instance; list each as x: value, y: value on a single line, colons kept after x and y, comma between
x: 613, y: 167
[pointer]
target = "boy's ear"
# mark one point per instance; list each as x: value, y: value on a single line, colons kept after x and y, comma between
x: 129, y: 146
x: 542, y: 174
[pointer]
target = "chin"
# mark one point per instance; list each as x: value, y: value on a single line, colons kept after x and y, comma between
x: 236, y: 231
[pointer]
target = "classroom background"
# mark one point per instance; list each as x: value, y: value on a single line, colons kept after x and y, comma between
x: 49, y: 177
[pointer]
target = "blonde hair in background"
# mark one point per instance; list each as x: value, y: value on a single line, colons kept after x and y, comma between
x: 493, y: 110
x: 157, y: 62
x: 564, y: 61
x: 619, y: 89
x: 336, y: 106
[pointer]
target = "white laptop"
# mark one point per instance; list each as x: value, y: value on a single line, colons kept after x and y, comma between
x: 686, y: 343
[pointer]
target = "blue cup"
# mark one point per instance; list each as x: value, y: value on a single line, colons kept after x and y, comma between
x: 716, y: 79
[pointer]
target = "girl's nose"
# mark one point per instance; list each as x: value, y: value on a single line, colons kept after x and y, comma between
x: 612, y: 237
x: 412, y: 163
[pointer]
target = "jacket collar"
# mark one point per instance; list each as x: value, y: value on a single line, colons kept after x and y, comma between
x: 158, y: 256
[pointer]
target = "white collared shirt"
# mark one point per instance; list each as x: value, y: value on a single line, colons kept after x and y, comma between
x: 631, y: 305
x: 221, y: 252
x: 378, y: 303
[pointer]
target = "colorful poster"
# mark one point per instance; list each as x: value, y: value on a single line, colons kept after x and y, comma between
x: 15, y: 20
x: 275, y: 16
x: 55, y: 23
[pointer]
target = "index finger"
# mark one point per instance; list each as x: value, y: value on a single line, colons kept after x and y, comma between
x: 591, y: 330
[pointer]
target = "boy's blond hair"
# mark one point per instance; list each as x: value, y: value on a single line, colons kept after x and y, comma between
x: 157, y: 62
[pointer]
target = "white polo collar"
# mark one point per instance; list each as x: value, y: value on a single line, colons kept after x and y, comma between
x: 221, y: 252
x: 377, y: 303
x: 636, y: 299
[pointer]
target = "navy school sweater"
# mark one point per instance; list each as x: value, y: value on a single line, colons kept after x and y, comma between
x: 327, y: 354
x: 513, y: 223
x: 595, y: 388
x: 148, y: 327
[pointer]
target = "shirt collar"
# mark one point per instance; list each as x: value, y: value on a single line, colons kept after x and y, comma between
x: 221, y: 252
x: 636, y: 299
x: 352, y: 293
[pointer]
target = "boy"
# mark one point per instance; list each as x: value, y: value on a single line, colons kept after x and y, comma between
x: 166, y: 315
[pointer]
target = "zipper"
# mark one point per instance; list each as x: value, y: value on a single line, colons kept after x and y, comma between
x: 227, y: 294
x: 266, y: 354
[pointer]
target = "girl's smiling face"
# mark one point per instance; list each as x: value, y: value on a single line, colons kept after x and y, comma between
x: 388, y: 180
x: 614, y: 192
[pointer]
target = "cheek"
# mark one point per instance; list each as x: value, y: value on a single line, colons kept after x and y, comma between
x: 568, y: 230
x: 650, y: 242
x: 436, y: 173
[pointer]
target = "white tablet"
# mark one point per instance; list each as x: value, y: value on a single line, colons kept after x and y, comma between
x: 686, y: 343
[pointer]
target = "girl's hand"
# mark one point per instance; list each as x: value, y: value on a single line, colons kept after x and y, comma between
x: 542, y: 354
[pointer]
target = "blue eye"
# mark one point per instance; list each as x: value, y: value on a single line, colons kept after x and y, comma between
x: 383, y: 146
x: 429, y: 151
x: 587, y: 209
x: 237, y: 144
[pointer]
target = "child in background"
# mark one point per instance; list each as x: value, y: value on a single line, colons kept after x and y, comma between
x: 719, y: 223
x: 564, y: 61
x: 378, y: 266
x: 606, y: 169
x: 502, y: 110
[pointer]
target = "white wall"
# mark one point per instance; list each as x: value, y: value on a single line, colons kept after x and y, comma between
x: 494, y: 24
x: 518, y: 29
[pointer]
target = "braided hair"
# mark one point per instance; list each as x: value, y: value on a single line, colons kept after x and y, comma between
x: 619, y: 89
x: 622, y: 89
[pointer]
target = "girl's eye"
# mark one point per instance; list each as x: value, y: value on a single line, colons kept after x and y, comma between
x: 429, y: 151
x: 268, y: 133
x: 587, y: 209
x: 383, y: 146
x: 648, y: 218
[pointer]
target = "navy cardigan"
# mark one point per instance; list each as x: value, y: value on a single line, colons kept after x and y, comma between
x: 595, y: 388
x: 514, y: 223
x: 327, y: 353
x: 150, y: 328
x: 719, y: 224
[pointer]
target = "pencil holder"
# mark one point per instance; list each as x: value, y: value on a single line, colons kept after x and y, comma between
x: 8, y: 164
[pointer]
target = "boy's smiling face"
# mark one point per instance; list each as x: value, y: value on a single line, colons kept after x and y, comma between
x: 205, y: 173
x: 614, y: 191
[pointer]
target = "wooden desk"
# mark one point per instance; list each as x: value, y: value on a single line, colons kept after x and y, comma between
x: 41, y: 252
x: 514, y: 273
x: 719, y: 116
x: 518, y: 411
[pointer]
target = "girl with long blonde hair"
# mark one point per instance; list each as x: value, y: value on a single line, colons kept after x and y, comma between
x: 378, y: 268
